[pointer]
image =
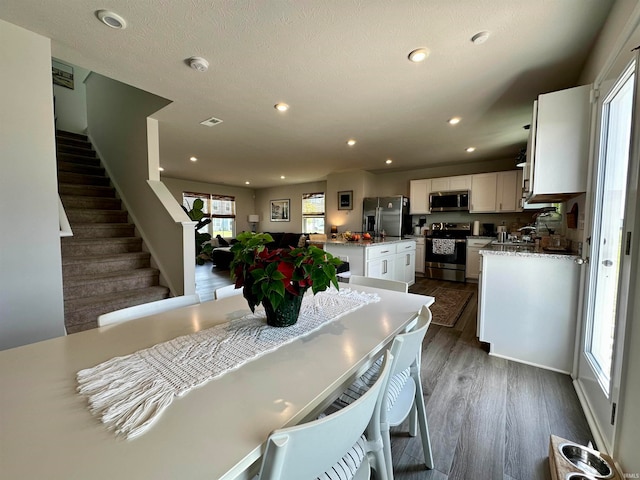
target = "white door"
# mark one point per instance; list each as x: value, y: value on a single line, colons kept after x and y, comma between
x: 607, y: 282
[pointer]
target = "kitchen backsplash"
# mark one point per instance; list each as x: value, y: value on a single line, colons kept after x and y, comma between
x: 519, y: 218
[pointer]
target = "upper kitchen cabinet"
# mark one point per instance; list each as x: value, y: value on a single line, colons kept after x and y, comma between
x: 508, y: 191
x: 419, y: 191
x: 483, y: 193
x: 451, y: 184
x: 558, y: 148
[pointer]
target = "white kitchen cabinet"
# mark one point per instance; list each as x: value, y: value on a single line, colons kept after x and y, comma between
x: 420, y: 255
x: 558, y: 149
x: 405, y: 262
x: 528, y: 308
x: 393, y: 260
x: 483, y: 193
x: 450, y: 184
x: 508, y: 191
x: 419, y: 191
x: 474, y: 245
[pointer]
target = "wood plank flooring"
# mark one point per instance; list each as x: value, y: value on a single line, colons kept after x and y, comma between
x: 489, y: 418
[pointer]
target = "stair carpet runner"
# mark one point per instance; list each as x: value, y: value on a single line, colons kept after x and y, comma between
x: 103, y: 265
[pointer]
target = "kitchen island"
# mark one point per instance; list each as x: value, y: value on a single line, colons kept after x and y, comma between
x: 391, y: 258
x: 528, y: 301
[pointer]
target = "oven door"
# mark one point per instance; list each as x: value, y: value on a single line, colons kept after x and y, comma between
x: 441, y: 264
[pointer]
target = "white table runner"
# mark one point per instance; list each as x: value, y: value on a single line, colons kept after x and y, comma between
x: 129, y: 393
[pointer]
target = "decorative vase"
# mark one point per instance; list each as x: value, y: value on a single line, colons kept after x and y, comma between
x: 287, y: 312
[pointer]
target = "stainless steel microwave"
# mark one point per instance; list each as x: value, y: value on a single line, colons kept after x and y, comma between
x: 449, y: 201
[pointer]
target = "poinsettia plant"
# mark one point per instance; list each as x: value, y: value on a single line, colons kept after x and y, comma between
x: 272, y: 274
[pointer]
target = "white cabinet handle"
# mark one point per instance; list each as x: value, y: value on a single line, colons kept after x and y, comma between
x: 408, y: 259
x: 384, y: 266
x: 385, y: 251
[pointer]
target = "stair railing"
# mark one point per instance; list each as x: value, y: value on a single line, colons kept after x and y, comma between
x: 65, y: 227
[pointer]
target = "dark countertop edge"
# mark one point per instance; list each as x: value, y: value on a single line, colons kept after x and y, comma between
x: 372, y: 242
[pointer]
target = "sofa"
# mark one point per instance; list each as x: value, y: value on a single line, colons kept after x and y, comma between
x: 222, y: 256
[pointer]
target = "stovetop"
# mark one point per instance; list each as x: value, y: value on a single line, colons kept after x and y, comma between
x: 449, y: 230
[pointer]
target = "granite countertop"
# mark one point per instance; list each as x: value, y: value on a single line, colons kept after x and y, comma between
x: 368, y: 243
x: 526, y: 250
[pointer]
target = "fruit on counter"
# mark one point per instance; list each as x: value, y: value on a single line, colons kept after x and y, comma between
x: 366, y: 236
x: 355, y: 237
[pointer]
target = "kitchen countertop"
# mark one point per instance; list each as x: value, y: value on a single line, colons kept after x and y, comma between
x: 525, y: 250
x: 368, y: 243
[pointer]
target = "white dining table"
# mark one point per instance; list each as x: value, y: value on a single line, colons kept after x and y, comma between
x: 217, y: 430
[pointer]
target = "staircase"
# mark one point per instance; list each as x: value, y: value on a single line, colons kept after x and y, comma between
x: 103, y: 265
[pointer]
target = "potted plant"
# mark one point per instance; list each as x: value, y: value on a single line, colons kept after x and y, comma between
x: 278, y: 278
x: 203, y: 249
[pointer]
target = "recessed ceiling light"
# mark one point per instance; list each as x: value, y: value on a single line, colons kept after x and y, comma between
x: 388, y: 161
x: 161, y: 169
x: 281, y: 107
x: 247, y: 183
x: 111, y: 19
x: 193, y: 159
x: 454, y: 120
x: 351, y: 142
x: 480, y: 37
x: 470, y: 149
x: 419, y: 55
x: 282, y: 177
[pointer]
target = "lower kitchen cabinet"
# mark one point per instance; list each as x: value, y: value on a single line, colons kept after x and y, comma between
x: 420, y: 254
x: 472, y: 270
x: 391, y: 260
x: 527, y: 307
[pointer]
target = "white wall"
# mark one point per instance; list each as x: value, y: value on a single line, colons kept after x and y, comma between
x: 31, y: 306
x: 71, y: 105
x: 362, y: 185
x: 294, y: 194
x: 245, y: 204
x: 117, y: 124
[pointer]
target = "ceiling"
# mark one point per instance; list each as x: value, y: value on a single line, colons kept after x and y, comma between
x: 342, y: 67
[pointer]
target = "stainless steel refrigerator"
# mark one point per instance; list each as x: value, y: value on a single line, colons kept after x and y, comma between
x: 390, y: 214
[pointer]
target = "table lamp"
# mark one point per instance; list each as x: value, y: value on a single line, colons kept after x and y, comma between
x: 253, y: 220
x: 334, y: 231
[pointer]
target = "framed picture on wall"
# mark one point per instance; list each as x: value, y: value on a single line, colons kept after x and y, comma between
x: 280, y: 210
x: 345, y: 200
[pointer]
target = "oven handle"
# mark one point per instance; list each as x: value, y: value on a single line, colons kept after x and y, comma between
x: 457, y: 240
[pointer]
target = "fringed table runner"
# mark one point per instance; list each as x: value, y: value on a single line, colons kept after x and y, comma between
x: 129, y: 393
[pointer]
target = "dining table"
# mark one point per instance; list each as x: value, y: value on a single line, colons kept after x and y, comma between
x: 215, y: 431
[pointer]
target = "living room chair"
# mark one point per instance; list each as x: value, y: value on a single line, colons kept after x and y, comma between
x: 333, y: 446
x: 394, y: 285
x: 228, y: 291
x: 403, y: 396
x: 139, y: 311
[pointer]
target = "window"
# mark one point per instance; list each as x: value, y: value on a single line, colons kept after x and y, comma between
x: 313, y: 212
x: 221, y: 209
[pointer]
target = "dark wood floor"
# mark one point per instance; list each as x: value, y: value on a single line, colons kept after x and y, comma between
x: 489, y: 418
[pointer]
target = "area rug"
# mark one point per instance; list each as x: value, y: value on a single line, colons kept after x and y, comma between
x: 449, y: 305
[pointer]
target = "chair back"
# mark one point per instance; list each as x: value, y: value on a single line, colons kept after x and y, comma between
x: 406, y: 347
x: 310, y: 449
x: 146, y: 309
x: 228, y: 291
x: 394, y: 285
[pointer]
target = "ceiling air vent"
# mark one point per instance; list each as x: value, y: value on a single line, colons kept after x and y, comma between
x: 210, y: 122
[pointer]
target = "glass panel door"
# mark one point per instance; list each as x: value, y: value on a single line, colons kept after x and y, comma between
x: 607, y: 282
x: 608, y: 224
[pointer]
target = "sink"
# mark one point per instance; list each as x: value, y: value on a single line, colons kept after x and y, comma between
x: 587, y: 460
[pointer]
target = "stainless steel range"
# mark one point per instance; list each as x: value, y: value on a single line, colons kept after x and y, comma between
x: 446, y: 251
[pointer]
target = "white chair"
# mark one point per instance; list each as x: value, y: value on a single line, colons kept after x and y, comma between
x: 139, y: 311
x: 394, y: 285
x: 228, y: 291
x: 332, y: 447
x: 403, y: 397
